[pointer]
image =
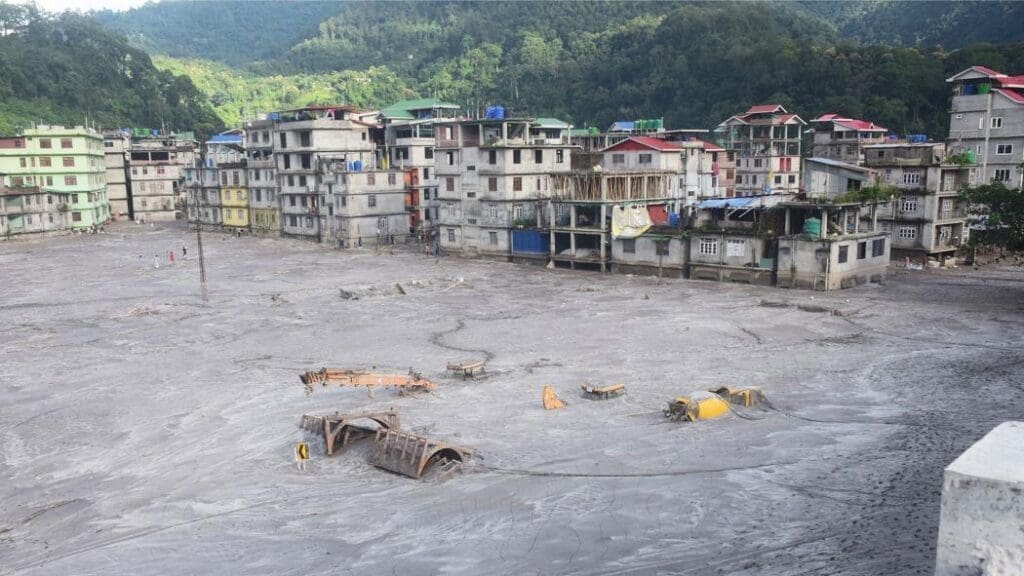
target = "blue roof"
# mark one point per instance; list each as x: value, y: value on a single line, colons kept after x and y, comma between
x: 226, y: 139
x: 622, y: 126
x: 728, y: 202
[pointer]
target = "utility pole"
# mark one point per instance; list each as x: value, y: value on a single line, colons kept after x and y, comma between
x: 199, y: 236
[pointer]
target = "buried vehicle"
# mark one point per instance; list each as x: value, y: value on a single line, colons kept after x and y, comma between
x: 361, y: 378
x: 411, y: 455
x: 339, y: 430
x: 603, y: 392
x: 708, y: 404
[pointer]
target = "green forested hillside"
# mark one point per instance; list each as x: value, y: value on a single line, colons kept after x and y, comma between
x: 66, y: 69
x: 237, y: 94
x: 227, y: 31
x: 695, y: 63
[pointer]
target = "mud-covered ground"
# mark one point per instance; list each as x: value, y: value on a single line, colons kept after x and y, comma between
x: 142, y: 432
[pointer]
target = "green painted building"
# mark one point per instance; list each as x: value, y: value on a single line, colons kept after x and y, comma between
x: 61, y: 160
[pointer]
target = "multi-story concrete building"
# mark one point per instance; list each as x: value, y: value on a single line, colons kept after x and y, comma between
x: 986, y: 121
x: 303, y: 138
x: 204, y: 204
x: 839, y: 138
x: 29, y: 209
x: 409, y: 145
x: 116, y: 160
x: 157, y: 174
x: 766, y: 139
x: 825, y: 178
x: 366, y: 207
x: 264, y: 201
x: 234, y: 196
x: 692, y: 163
x: 926, y: 217
x: 59, y: 159
x: 494, y: 175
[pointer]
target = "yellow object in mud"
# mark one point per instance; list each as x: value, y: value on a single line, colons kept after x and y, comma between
x: 697, y: 406
x: 550, y: 399
x: 746, y: 397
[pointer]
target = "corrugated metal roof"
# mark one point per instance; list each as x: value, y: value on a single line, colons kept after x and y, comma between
x: 838, y: 164
x: 550, y: 123
x: 743, y: 202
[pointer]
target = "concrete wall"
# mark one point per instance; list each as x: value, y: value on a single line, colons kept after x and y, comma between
x: 644, y: 258
x: 815, y: 264
x: 981, y: 531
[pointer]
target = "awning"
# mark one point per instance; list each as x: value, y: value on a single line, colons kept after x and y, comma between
x: 743, y: 202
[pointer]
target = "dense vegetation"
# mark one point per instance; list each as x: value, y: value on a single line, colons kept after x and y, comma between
x: 238, y: 94
x: 950, y: 24
x: 67, y: 69
x: 231, y: 32
x: 694, y: 63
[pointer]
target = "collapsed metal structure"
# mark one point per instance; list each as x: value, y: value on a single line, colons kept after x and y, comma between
x: 410, y: 455
x: 361, y: 378
x: 346, y: 426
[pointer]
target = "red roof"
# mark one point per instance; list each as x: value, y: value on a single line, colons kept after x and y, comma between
x: 988, y: 71
x: 1015, y: 96
x: 646, y: 141
x: 763, y: 108
x: 1011, y: 81
x: 861, y: 125
x: 827, y: 117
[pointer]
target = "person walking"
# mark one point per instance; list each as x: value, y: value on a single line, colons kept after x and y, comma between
x: 184, y: 252
x: 156, y: 261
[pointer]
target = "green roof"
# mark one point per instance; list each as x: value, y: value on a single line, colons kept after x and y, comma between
x: 403, y: 110
x: 550, y: 123
x: 580, y: 132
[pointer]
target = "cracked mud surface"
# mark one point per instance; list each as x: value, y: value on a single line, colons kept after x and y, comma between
x: 142, y: 432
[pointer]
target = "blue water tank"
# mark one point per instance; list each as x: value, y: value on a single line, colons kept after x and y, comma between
x: 489, y: 113
x: 673, y: 219
x: 357, y: 165
x: 499, y: 112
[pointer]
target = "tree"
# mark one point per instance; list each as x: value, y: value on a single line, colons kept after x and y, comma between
x: 1002, y: 211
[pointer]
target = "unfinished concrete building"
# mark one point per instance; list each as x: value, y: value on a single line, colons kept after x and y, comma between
x: 986, y: 121
x: 366, y: 207
x: 831, y: 179
x: 495, y: 176
x: 590, y: 209
x: 116, y: 146
x: 204, y: 204
x: 303, y: 138
x: 766, y: 139
x: 840, y: 138
x: 157, y: 173
x: 264, y: 198
x: 32, y: 209
x: 409, y: 146
x: 926, y: 217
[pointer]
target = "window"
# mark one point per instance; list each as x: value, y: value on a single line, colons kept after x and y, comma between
x: 302, y: 180
x: 1002, y: 175
x: 878, y: 248
x: 291, y: 180
x: 49, y: 199
x: 449, y: 184
x: 517, y: 156
x: 76, y: 216
x: 135, y: 171
x: 661, y: 248
x: 305, y: 139
x: 517, y: 184
x: 428, y: 153
x: 911, y: 177
x: 492, y: 157
x: 234, y: 176
x: 291, y: 202
x: 44, y: 162
x: 908, y: 204
x: 371, y: 179
x: 451, y: 234
x: 70, y: 180
x: 238, y: 195
x: 292, y: 220
x: 645, y: 159
x: 629, y: 246
x: 451, y: 158
x: 844, y: 254
x: 493, y: 237
x: 908, y: 232
x: 708, y: 246
x: 538, y: 156
x: 68, y: 161
x: 227, y: 195
x: 371, y: 200
x: 559, y: 156
x: 618, y: 158
x: 50, y: 217
x: 757, y: 163
x: 792, y: 178
x: 1004, y: 149
x: 258, y: 195
x: 45, y: 143
x: 778, y: 179
x: 426, y: 173
x: 49, y: 180
x: 284, y: 144
x: 65, y: 143
x: 22, y: 162
x: 997, y: 122
x: 391, y: 178
x: 862, y: 250
x: 492, y: 184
